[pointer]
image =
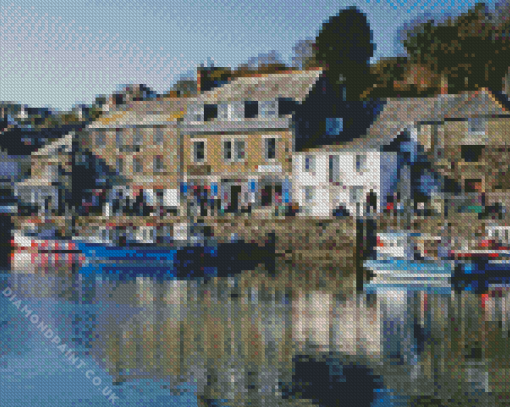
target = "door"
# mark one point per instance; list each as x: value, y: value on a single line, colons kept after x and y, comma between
x: 267, y: 195
x: 235, y: 192
x: 278, y: 194
x: 473, y: 185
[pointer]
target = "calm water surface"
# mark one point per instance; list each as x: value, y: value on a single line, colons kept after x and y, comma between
x: 251, y: 340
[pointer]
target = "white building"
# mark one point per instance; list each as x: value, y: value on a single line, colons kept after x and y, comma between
x: 353, y: 179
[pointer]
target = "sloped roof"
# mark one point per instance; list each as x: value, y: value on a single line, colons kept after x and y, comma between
x: 295, y: 85
x: 478, y: 103
x: 63, y: 144
x: 398, y: 114
x: 144, y: 113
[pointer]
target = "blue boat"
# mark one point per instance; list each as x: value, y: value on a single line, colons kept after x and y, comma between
x: 182, y: 262
x: 433, y: 276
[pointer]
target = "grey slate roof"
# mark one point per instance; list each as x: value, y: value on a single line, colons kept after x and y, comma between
x: 401, y: 113
x: 295, y: 85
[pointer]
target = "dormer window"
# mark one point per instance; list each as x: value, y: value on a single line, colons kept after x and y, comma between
x: 210, y: 112
x: 477, y: 125
x: 268, y: 109
x: 286, y: 106
x: 334, y: 126
x: 237, y: 110
x: 251, y: 109
x: 196, y: 113
x: 224, y: 111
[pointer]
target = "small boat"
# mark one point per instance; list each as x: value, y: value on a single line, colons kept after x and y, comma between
x: 31, y: 252
x: 403, y: 260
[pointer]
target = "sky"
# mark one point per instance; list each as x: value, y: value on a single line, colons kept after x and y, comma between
x: 57, y: 53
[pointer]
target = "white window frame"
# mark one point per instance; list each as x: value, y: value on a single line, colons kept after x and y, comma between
x: 155, y: 159
x: 334, y: 173
x: 224, y: 111
x: 138, y: 138
x: 226, y: 159
x: 309, y: 168
x: 266, y: 149
x: 237, y: 110
x: 194, y: 142
x: 196, y: 112
x: 477, y: 126
x: 158, y: 136
x: 137, y: 160
x: 309, y: 194
x: 363, y: 167
x: 234, y: 141
x: 353, y: 194
x: 268, y: 109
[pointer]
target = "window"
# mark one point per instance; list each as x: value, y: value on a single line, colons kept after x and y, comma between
x: 309, y: 194
x: 227, y: 150
x: 138, y: 137
x: 199, y: 151
x: 120, y: 165
x: 224, y: 111
x: 137, y: 165
x: 158, y: 136
x: 334, y: 126
x: 100, y: 139
x: 309, y: 163
x: 237, y: 110
x: 361, y: 162
x: 268, y: 109
x: 251, y: 109
x: 477, y: 125
x: 210, y: 112
x: 286, y: 106
x: 234, y: 150
x: 270, y: 148
x: 158, y: 164
x: 356, y: 194
x: 118, y: 138
x: 334, y: 168
x: 196, y: 113
x: 239, y: 150
x: 473, y: 185
x: 471, y: 154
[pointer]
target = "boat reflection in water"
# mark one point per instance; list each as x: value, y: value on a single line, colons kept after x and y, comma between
x: 298, y: 336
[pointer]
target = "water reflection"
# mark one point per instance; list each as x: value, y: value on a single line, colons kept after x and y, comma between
x: 253, y: 339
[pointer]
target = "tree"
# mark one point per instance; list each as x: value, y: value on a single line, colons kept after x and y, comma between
x: 344, y: 48
x: 304, y: 54
x: 469, y: 51
x: 186, y: 85
x: 264, y: 63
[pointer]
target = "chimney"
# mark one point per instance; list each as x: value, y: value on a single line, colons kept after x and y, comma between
x: 212, y: 77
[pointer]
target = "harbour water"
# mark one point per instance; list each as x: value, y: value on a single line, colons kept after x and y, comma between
x: 252, y: 339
